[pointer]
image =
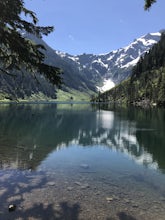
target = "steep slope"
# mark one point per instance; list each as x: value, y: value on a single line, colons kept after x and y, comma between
x: 25, y: 86
x: 73, y: 73
x: 117, y: 64
x: 112, y: 68
x: 147, y: 83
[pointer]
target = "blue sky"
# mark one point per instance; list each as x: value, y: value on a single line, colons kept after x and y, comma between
x: 96, y: 26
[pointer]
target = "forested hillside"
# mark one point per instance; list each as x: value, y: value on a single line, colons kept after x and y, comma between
x: 25, y: 86
x: 147, y: 82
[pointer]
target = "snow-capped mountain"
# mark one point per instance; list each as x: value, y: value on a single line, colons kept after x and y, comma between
x: 112, y: 68
x: 85, y: 73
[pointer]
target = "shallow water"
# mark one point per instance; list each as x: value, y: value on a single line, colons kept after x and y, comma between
x: 82, y: 162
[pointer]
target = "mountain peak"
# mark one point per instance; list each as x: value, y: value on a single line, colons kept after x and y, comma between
x: 111, y: 68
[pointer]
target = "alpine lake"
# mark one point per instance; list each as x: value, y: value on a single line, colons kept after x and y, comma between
x: 81, y: 162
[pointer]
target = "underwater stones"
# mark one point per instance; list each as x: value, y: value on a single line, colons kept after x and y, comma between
x: 70, y: 188
x: 135, y: 205
x: 127, y: 200
x: 78, y: 183
x: 82, y: 185
x: 85, y: 186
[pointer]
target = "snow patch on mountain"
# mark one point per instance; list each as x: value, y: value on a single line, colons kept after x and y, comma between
x: 107, y: 85
x: 61, y: 54
x: 73, y: 58
x: 131, y: 63
x: 156, y: 34
x: 130, y: 55
x: 99, y: 61
x: 147, y: 42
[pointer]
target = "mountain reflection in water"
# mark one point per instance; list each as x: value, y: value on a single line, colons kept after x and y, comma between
x: 29, y: 133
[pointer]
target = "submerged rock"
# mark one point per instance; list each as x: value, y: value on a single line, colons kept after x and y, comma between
x: 51, y: 183
x: 82, y: 185
x: 12, y: 207
x: 84, y: 166
x: 70, y: 188
x: 85, y: 186
x: 109, y: 199
x: 135, y: 205
x: 78, y: 183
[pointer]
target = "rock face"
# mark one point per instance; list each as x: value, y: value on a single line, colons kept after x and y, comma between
x: 116, y: 65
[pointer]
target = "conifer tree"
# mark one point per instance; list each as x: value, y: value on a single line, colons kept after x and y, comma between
x: 16, y: 52
x: 148, y: 3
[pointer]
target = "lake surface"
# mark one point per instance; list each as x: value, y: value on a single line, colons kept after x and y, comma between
x: 71, y: 161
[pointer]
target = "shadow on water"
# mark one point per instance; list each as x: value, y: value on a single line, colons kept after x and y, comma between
x: 123, y: 216
x: 38, y: 211
x: 15, y: 188
x: 14, y: 192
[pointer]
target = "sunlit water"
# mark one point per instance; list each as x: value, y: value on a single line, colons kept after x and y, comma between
x: 62, y: 161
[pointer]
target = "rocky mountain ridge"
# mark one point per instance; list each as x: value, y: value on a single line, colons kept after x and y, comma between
x: 114, y: 67
x: 85, y: 73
